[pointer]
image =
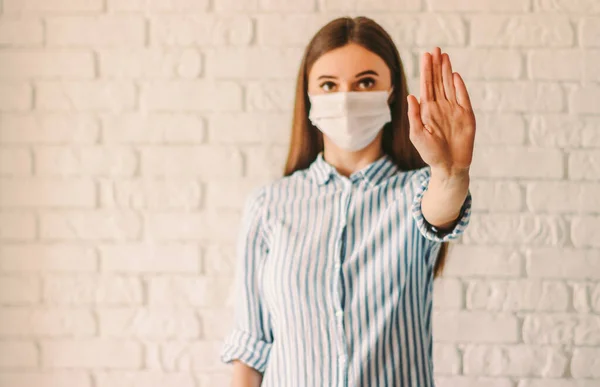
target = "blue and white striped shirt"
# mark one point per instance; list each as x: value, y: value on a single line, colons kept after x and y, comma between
x: 334, y: 283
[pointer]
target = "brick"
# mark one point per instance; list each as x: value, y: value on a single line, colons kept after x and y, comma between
x: 259, y: 128
x: 19, y: 290
x: 229, y: 6
x: 583, y: 99
x: 486, y: 261
x: 584, y: 165
x: 479, y: 6
x: 201, y: 30
x: 230, y: 194
x: 564, y: 263
x: 17, y: 226
x: 425, y: 29
x: 563, y: 197
x: 581, y: 296
x: 595, y: 297
x: 567, y: 6
x: 147, y: 193
x: 561, y: 130
x: 158, y: 5
x: 149, y: 323
x: 102, y: 96
x: 198, y: 291
x: 107, y: 161
x: 270, y: 96
x: 215, y: 379
x: 573, y: 65
x: 512, y: 229
x: 46, y: 64
x: 475, y: 327
x: 150, y: 63
x: 186, y: 161
x: 248, y: 63
x: 21, y: 32
x: 65, y: 193
x: 191, y: 96
x: 287, y: 5
x: 587, y: 331
x: 189, y: 355
x: 519, y: 361
x: 515, y: 162
x: 521, y: 96
x: 585, y: 231
x: 87, y: 289
x: 492, y: 64
x: 447, y: 359
x: 48, y: 129
x: 265, y: 162
x: 39, y: 6
x: 15, y: 161
x: 15, y: 96
x: 153, y: 128
x: 497, y: 196
x: 216, y: 323
x: 149, y: 258
x: 549, y: 328
x: 288, y: 30
x: 220, y: 260
x: 522, y: 295
x: 91, y: 353
x: 470, y: 381
x: 586, y: 363
x: 367, y: 6
x: 42, y: 321
x: 500, y: 129
x: 201, y: 226
x: 45, y: 378
x: 38, y: 258
x: 18, y: 354
x: 448, y: 293
x: 521, y: 31
x: 95, y: 31
x: 143, y: 379
x: 589, y: 32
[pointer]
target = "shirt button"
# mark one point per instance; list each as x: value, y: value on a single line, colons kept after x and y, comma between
x: 342, y: 359
x: 339, y: 313
x: 337, y: 266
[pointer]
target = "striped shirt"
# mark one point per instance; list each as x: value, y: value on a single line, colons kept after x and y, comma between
x: 334, y: 283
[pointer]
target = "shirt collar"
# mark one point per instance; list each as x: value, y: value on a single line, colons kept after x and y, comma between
x: 376, y: 172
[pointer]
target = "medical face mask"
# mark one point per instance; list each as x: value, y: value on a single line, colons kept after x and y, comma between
x: 352, y: 119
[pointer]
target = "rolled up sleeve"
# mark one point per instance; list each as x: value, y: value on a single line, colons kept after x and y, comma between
x: 251, y: 338
x: 429, y: 231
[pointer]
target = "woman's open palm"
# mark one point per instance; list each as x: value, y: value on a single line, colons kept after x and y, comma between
x: 442, y: 124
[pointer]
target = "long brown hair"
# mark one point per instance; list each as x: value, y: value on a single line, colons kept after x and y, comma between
x: 307, y: 140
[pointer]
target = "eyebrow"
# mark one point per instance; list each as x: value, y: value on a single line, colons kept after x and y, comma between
x: 367, y: 72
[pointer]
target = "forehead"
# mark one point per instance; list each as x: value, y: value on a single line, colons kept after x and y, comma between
x: 347, y: 61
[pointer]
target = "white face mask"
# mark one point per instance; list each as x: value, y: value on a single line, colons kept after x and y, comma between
x: 352, y: 119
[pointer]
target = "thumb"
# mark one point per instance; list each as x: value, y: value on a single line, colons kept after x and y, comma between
x: 414, y: 117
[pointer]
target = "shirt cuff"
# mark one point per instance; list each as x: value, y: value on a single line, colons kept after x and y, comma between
x: 248, y: 349
x: 431, y: 232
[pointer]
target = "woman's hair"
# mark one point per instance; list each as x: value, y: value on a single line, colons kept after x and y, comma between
x: 307, y: 140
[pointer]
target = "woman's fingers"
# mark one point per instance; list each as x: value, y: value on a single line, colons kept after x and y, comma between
x: 462, y: 96
x: 448, y: 78
x: 438, y: 85
x: 426, y: 78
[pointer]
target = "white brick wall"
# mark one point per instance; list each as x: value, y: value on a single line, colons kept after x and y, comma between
x: 131, y: 132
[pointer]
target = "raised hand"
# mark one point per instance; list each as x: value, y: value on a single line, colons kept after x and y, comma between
x: 442, y: 124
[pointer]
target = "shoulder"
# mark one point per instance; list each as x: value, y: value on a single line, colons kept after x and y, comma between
x: 264, y: 194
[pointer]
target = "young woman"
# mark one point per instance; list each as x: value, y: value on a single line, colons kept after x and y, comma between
x: 337, y: 258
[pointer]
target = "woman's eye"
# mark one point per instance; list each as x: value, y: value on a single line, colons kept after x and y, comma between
x: 327, y: 86
x: 366, y: 83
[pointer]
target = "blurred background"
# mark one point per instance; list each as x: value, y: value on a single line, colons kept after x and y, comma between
x: 131, y: 132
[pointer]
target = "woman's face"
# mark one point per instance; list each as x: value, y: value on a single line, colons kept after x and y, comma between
x: 349, y: 68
